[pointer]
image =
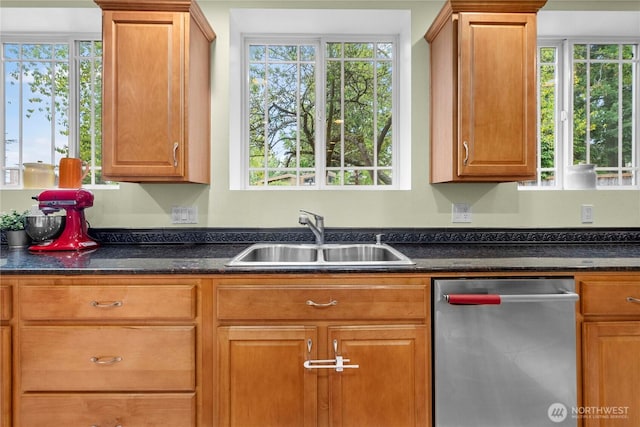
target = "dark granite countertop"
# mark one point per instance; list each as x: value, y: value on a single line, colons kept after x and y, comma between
x: 198, y: 258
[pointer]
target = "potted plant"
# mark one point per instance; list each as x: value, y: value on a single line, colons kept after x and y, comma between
x: 12, y: 223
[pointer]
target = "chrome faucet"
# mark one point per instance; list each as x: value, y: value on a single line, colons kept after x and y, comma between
x: 317, y: 228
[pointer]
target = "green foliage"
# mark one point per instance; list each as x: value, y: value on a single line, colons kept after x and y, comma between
x: 13, y: 221
x: 600, y: 122
x: 357, y: 118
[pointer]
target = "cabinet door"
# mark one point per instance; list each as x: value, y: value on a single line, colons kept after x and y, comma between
x: 6, y: 303
x: 389, y: 388
x: 611, y: 374
x: 262, y: 378
x: 143, y: 94
x: 5, y: 376
x: 497, y: 95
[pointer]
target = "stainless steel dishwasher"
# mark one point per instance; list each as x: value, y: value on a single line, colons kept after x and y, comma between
x: 504, y: 352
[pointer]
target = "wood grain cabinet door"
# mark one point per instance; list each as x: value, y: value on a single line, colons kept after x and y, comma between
x: 6, y: 312
x: 143, y: 131
x: 5, y: 376
x: 389, y: 387
x: 611, y: 374
x: 497, y: 97
x: 263, y: 381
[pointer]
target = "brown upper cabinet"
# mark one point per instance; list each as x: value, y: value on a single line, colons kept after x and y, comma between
x: 156, y: 91
x: 483, y: 91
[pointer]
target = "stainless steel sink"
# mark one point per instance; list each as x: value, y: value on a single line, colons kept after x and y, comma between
x: 292, y: 255
x: 362, y: 253
x: 278, y: 253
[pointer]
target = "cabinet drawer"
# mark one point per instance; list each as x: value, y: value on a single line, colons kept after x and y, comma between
x: 5, y: 302
x: 78, y: 302
x: 107, y: 358
x: 352, y: 302
x: 615, y: 297
x: 140, y: 410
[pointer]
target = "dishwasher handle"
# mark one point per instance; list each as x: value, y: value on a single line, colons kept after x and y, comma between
x: 495, y: 299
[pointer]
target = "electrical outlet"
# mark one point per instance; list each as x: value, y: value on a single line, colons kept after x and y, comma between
x: 184, y: 215
x: 461, y: 212
x: 586, y: 214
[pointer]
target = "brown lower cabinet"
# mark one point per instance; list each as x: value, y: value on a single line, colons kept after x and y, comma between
x: 377, y: 325
x: 110, y: 351
x: 263, y: 381
x: 264, y: 350
x: 610, y: 350
x: 6, y: 309
x: 5, y: 376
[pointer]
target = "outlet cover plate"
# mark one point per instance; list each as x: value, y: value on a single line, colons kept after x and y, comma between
x: 586, y: 214
x: 461, y: 212
x: 184, y: 215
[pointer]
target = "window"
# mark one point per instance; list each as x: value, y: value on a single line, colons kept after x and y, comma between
x: 589, y: 109
x: 289, y: 144
x: 320, y: 110
x: 52, y: 104
x: 603, y: 90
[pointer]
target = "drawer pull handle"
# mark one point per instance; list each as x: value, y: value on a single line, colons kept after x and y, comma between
x: 98, y: 425
x: 106, y: 360
x: 632, y: 299
x: 322, y: 305
x: 106, y: 304
x: 465, y: 144
x: 175, y: 154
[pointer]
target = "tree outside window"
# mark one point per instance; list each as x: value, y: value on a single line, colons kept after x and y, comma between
x: 320, y: 118
x: 601, y: 114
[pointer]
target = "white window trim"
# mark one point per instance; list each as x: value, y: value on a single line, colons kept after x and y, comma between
x: 317, y: 22
x: 563, y: 24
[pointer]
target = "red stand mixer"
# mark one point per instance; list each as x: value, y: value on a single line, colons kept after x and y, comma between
x: 74, y: 237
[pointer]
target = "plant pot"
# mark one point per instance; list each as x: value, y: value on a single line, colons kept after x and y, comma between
x: 17, y: 238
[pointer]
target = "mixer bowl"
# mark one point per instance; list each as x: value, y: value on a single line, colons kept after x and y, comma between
x: 44, y: 227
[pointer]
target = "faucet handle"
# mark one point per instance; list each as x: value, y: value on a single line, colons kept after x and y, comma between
x: 315, y: 215
x: 379, y: 238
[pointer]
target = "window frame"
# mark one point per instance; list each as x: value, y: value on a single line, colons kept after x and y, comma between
x: 558, y: 29
x: 306, y: 25
x: 72, y: 40
x: 320, y: 169
x: 47, y: 25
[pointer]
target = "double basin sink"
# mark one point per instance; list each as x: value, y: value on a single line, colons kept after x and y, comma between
x: 339, y: 255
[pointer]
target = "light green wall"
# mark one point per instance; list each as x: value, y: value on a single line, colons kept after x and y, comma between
x: 426, y: 205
